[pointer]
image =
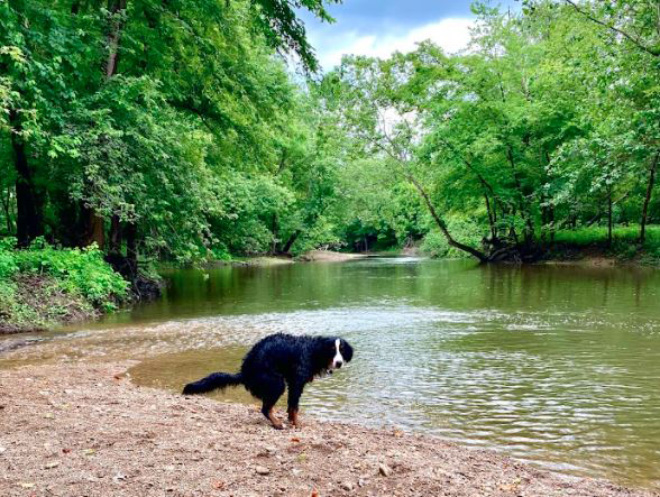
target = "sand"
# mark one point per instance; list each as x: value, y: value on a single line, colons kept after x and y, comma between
x: 86, y: 430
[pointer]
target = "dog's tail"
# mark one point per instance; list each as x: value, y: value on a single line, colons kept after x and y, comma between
x: 213, y: 382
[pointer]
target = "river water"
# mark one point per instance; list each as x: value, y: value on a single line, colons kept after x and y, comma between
x: 555, y: 365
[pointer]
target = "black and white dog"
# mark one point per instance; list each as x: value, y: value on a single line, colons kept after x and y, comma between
x: 280, y: 361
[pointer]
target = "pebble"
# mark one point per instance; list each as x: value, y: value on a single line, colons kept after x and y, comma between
x: 51, y: 464
x: 347, y: 485
x: 262, y: 470
x: 384, y: 470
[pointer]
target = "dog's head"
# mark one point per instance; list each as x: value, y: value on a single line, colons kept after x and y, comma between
x: 334, y: 353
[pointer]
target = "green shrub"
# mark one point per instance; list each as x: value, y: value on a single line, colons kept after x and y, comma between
x: 221, y: 253
x: 7, y: 259
x: 75, y: 271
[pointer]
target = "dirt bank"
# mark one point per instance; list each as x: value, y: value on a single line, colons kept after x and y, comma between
x: 311, y: 256
x: 86, y: 430
x: 39, y: 303
x: 329, y: 256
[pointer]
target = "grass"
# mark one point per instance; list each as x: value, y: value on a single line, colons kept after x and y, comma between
x: 625, y: 242
x: 568, y: 244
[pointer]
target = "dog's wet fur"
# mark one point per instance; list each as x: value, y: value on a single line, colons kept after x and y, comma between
x: 277, y: 362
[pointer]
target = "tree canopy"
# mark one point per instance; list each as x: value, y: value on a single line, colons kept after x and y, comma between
x: 174, y: 129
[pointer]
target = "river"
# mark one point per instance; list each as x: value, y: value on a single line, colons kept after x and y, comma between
x: 558, y: 365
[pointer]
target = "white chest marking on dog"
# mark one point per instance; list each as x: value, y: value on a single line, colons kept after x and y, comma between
x: 338, y: 359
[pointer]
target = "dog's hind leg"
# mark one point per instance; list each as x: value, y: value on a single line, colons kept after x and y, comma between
x: 271, y: 389
x: 268, y: 412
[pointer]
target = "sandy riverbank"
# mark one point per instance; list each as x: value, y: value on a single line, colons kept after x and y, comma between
x: 86, y: 430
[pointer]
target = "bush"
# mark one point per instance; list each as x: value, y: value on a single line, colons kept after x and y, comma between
x: 80, y: 272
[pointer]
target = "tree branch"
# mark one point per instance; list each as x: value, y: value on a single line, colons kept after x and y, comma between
x: 629, y: 37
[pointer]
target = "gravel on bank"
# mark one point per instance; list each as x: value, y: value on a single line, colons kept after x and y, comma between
x: 74, y: 430
x: 329, y: 256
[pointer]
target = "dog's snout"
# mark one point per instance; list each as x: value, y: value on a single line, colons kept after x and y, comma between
x: 339, y: 364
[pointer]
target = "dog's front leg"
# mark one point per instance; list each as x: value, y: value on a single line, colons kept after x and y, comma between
x: 295, y: 392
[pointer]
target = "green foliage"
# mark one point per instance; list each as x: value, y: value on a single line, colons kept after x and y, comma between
x: 549, y: 120
x: 435, y: 244
x: 74, y: 271
x: 625, y: 240
x: 174, y: 124
x: 8, y: 265
x: 171, y: 130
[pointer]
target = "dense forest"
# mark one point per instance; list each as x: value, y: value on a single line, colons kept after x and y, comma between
x: 192, y: 130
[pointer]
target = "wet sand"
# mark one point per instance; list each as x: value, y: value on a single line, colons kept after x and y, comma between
x: 80, y: 429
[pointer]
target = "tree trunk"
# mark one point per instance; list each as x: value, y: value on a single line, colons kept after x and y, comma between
x: 6, y: 204
x: 117, y: 9
x: 115, y: 235
x: 647, y: 199
x: 491, y: 219
x: 292, y: 239
x: 609, y: 217
x: 549, y: 206
x: 131, y: 246
x: 94, y: 228
x: 525, y: 213
x: 29, y: 222
x: 443, y: 226
x: 275, y: 229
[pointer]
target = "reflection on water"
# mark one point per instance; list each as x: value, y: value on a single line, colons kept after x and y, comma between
x: 558, y: 365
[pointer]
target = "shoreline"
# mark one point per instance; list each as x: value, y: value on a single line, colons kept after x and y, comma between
x: 81, y: 429
x: 282, y: 260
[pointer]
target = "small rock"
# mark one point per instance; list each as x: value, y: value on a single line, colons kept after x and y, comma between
x: 51, y: 464
x: 261, y: 470
x: 347, y: 485
x: 361, y: 482
x: 384, y: 470
x: 3, y: 450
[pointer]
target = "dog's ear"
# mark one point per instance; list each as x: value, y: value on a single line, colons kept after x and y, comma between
x: 346, y: 351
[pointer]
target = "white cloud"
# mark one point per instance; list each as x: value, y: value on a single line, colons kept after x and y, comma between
x: 452, y: 34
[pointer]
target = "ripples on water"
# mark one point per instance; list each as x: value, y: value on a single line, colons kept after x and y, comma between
x: 559, y: 366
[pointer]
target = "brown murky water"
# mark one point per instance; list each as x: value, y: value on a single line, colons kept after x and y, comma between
x: 557, y: 365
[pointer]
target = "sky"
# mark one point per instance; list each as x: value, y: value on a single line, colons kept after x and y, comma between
x: 381, y: 27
